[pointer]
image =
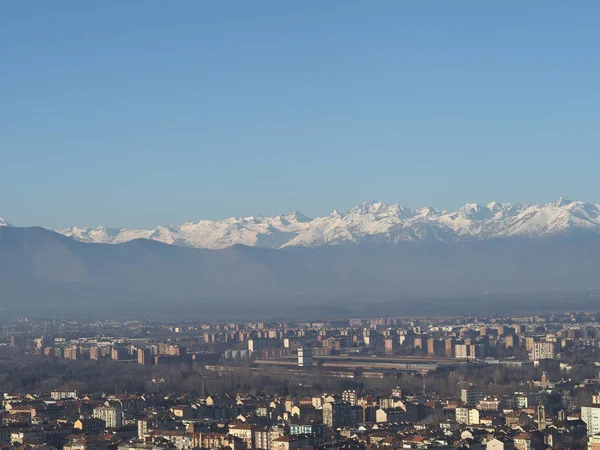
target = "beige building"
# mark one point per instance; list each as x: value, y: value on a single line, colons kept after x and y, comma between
x: 500, y: 444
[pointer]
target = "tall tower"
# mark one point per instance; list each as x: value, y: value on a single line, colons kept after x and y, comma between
x: 541, y: 417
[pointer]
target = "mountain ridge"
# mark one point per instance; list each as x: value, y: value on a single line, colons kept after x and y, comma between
x: 368, y: 222
x: 47, y: 273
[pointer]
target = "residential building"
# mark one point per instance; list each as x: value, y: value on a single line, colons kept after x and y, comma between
x: 591, y: 416
x: 111, y: 415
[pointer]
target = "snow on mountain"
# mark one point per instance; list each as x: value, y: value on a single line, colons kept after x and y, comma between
x: 371, y: 221
x: 4, y: 223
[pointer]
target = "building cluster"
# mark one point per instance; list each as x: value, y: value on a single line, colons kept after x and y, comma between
x: 546, y: 408
x: 353, y: 419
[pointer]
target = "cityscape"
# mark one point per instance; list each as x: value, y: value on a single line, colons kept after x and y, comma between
x: 299, y: 225
x: 522, y: 382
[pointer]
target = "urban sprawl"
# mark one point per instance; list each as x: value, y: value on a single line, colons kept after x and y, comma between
x: 530, y: 382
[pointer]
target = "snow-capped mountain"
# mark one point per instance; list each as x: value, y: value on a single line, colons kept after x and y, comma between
x: 4, y: 223
x: 368, y: 222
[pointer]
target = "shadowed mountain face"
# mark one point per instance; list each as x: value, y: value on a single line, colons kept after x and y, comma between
x: 43, y: 269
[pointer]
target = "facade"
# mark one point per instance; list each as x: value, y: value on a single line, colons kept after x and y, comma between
x: 591, y: 416
x: 501, y: 444
x: 467, y: 416
x: 305, y: 358
x: 144, y: 356
x: 543, y: 350
x: 245, y: 432
x: 390, y: 346
x: 470, y: 397
x: 594, y: 442
x: 336, y: 415
x: 111, y: 415
x: 89, y: 425
x: 63, y: 395
x: 349, y: 396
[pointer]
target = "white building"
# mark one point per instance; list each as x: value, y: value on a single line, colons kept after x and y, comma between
x: 543, y: 350
x: 111, y: 415
x: 591, y: 416
x: 467, y: 416
x: 63, y: 395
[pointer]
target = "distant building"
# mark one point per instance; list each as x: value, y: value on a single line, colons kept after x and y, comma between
x: 94, y: 353
x: 467, y: 416
x: 119, y: 353
x: 390, y: 346
x: 143, y: 426
x: 543, y: 350
x: 591, y: 416
x: 336, y: 415
x: 305, y: 358
x: 63, y: 395
x: 91, y: 426
x: 470, y: 397
x: 594, y: 442
x: 502, y: 443
x: 72, y: 353
x: 144, y: 356
x: 17, y: 340
x: 349, y: 396
x: 111, y: 415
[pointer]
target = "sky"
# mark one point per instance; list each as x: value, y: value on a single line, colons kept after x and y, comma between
x: 134, y: 114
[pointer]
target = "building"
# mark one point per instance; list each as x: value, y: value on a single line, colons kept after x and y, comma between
x: 262, y: 438
x: 470, y: 397
x: 436, y: 347
x: 72, y: 353
x: 467, y: 416
x: 90, y: 426
x: 390, y: 415
x: 94, y: 353
x: 111, y: 415
x: 543, y: 350
x: 85, y: 443
x: 489, y: 404
x: 529, y: 441
x: 502, y: 443
x: 336, y: 415
x: 143, y: 427
x: 594, y: 442
x: 119, y: 354
x: 144, y: 356
x: 511, y: 341
x: 591, y: 416
x: 390, y: 346
x: 305, y: 358
x: 63, y: 395
x: 349, y: 396
x: 243, y: 431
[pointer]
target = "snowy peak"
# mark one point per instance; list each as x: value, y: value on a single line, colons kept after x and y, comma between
x: 370, y: 207
x: 4, y: 223
x: 371, y: 221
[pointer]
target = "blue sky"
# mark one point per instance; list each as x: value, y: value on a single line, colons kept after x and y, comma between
x: 140, y: 113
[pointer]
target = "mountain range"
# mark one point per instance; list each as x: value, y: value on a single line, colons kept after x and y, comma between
x: 374, y: 259
x: 369, y: 222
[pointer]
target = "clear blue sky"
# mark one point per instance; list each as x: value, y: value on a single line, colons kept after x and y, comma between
x: 136, y: 113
